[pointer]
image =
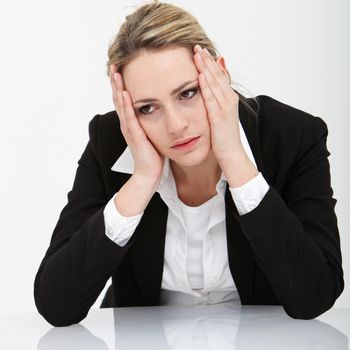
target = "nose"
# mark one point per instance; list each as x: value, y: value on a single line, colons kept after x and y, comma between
x: 176, y: 121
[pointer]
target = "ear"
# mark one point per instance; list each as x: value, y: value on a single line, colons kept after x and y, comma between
x: 221, y: 62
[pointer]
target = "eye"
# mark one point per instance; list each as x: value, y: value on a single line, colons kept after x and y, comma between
x: 193, y: 91
x: 141, y: 109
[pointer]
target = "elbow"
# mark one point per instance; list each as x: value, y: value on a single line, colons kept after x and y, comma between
x: 58, y: 321
x: 307, y: 313
x: 310, y: 308
x: 302, y: 310
x: 55, y: 312
x: 58, y: 316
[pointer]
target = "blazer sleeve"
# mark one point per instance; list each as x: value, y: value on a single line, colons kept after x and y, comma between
x: 80, y: 258
x: 294, y: 235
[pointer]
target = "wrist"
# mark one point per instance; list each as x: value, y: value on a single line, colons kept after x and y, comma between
x: 142, y: 181
x: 135, y: 194
x: 237, y: 157
x: 238, y: 169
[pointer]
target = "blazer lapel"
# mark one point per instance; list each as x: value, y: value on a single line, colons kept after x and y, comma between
x: 250, y: 124
x: 148, y: 250
x: 240, y: 258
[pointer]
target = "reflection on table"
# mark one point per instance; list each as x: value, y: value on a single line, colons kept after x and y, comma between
x: 216, y: 327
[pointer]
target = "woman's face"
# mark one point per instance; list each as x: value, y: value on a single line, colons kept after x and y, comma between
x: 173, y: 114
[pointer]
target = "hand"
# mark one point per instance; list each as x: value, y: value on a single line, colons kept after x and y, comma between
x: 147, y: 161
x: 221, y: 103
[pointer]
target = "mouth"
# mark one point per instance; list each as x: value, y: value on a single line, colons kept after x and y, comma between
x: 186, y: 143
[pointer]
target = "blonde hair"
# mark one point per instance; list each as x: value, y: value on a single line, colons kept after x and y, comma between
x: 158, y: 25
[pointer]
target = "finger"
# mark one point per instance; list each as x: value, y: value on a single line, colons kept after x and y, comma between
x: 116, y: 92
x: 216, y: 91
x: 221, y: 74
x: 211, y: 104
x: 216, y: 77
x: 213, y: 66
x: 213, y: 76
x: 132, y: 123
x: 197, y: 49
x: 113, y: 68
x: 117, y: 97
x: 119, y: 88
x: 114, y: 89
x: 112, y: 72
x: 128, y: 108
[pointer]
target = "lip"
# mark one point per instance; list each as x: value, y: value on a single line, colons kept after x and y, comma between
x: 184, y: 141
x: 187, y: 145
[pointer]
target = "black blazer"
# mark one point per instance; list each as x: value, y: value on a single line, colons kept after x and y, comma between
x: 284, y: 252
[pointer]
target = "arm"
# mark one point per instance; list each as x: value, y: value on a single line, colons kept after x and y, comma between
x: 80, y: 258
x: 294, y: 236
x: 133, y: 198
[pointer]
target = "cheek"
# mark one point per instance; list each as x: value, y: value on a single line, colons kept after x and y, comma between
x: 146, y: 128
x: 152, y: 132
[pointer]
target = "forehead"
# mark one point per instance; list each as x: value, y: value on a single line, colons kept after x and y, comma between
x: 153, y: 73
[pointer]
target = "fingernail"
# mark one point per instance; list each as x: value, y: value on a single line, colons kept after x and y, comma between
x: 206, y: 51
x: 199, y: 48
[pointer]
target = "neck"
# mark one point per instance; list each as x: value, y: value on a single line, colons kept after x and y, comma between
x: 208, y: 172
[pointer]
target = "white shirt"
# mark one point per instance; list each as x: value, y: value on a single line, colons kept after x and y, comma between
x: 196, y: 269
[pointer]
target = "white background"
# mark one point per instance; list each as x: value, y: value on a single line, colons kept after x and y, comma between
x: 53, y: 81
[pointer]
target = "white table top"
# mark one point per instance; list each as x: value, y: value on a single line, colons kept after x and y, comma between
x: 173, y: 327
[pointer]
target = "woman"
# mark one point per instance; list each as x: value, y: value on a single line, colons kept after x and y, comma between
x: 190, y: 193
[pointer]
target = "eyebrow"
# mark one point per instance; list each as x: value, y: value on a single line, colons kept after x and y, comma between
x: 174, y: 92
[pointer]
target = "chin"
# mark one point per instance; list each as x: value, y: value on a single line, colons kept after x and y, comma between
x: 192, y: 159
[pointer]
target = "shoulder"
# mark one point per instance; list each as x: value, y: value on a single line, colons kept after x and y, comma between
x: 281, y: 117
x: 288, y: 135
x: 280, y: 121
x: 105, y: 137
x: 106, y: 124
